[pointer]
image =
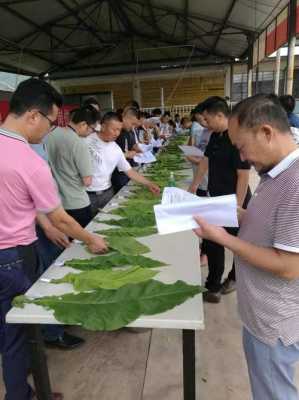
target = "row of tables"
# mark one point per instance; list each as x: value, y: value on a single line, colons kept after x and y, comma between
x: 179, y: 250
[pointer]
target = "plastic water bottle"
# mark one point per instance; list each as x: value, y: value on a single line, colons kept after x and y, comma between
x: 171, y: 182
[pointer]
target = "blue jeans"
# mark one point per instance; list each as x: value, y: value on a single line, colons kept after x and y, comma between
x: 18, y: 270
x: 271, y: 368
x: 48, y: 252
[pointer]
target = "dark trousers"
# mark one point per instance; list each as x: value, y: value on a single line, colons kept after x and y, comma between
x: 48, y: 252
x: 98, y: 201
x: 18, y: 270
x: 82, y: 215
x: 216, y: 262
x: 119, y: 180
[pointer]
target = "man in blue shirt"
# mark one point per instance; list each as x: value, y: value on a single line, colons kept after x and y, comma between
x: 288, y: 103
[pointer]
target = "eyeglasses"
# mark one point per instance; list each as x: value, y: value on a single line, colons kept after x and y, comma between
x: 51, y: 123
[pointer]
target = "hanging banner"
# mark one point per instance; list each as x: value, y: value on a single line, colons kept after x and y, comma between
x: 270, y: 38
x: 282, y: 28
x: 4, y: 107
x: 262, y: 46
x: 63, y: 117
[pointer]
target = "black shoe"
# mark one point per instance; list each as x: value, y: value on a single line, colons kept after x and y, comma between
x: 228, y: 286
x: 211, y: 297
x: 65, y: 342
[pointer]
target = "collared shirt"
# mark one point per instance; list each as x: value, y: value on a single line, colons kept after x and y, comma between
x: 27, y: 186
x: 70, y: 162
x: 106, y: 156
x: 293, y: 120
x: 269, y: 304
x: 224, y: 163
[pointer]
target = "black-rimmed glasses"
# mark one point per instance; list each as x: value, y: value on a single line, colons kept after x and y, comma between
x: 51, y: 123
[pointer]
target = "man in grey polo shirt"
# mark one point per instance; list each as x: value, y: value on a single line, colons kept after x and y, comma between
x: 267, y: 248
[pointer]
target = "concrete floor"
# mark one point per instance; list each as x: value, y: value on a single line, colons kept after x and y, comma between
x: 148, y: 365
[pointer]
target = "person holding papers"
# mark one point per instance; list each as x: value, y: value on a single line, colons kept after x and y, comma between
x: 267, y: 248
x: 227, y: 174
x: 106, y: 156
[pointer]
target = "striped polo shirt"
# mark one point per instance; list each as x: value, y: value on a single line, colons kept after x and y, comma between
x: 269, y: 304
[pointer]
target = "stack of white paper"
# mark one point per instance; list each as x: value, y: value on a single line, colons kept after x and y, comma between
x: 178, y: 208
x: 191, y: 151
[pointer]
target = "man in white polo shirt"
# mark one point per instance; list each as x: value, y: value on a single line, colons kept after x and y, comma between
x: 106, y: 156
x: 267, y: 247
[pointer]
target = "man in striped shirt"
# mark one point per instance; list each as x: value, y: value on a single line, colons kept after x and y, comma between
x: 267, y: 247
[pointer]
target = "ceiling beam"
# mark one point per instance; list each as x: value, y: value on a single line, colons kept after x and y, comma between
x: 160, y: 61
x: 75, y: 14
x: 129, y: 71
x: 21, y: 50
x: 223, y: 25
x: 22, y: 17
x: 186, y: 14
x: 53, y: 21
x: 198, y: 16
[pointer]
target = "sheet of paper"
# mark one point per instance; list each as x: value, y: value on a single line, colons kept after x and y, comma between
x: 191, y: 151
x: 176, y: 195
x: 145, y: 158
x: 145, y: 147
x: 178, y: 217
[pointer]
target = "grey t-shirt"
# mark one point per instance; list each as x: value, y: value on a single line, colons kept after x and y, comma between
x: 70, y: 161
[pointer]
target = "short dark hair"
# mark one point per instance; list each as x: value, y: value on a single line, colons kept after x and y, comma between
x: 86, y: 114
x: 133, y: 104
x: 214, y: 105
x: 199, y: 109
x: 110, y: 116
x: 131, y: 112
x: 288, y: 102
x: 34, y: 93
x: 156, y: 112
x: 261, y: 109
x: 90, y: 101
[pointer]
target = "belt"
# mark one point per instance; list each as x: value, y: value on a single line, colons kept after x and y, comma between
x: 99, y: 191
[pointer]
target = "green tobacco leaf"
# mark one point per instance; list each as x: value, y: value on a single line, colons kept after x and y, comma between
x: 132, y: 231
x: 127, y: 245
x: 112, y: 309
x: 113, y: 260
x: 106, y: 279
x: 136, y: 221
x: 132, y: 212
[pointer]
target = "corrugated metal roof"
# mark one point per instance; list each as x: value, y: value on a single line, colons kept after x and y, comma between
x: 72, y: 38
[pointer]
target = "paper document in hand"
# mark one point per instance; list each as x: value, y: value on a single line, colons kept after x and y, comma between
x: 176, y: 195
x: 145, y: 158
x: 178, y: 217
x: 191, y: 151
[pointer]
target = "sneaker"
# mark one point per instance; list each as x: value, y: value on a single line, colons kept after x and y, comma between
x: 211, y: 297
x: 228, y: 286
x: 65, y: 342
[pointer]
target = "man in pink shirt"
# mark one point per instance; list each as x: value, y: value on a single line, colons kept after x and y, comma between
x: 27, y: 187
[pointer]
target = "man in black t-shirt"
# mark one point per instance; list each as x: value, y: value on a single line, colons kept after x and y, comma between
x: 127, y: 143
x: 228, y: 174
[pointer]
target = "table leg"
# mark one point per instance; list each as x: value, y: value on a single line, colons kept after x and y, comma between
x: 189, y: 364
x: 39, y: 363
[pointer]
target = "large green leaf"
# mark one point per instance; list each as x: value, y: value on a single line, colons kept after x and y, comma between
x: 112, y: 309
x: 132, y: 231
x: 127, y: 245
x: 113, y: 260
x: 135, y: 221
x: 106, y: 279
